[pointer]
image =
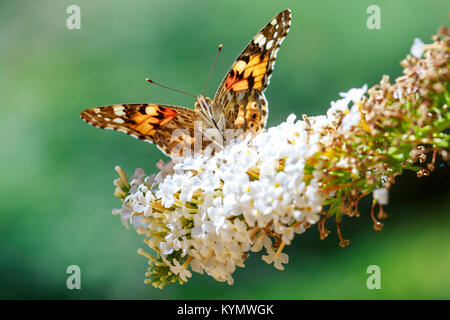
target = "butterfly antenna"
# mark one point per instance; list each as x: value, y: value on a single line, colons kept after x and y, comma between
x: 212, y: 69
x: 165, y: 87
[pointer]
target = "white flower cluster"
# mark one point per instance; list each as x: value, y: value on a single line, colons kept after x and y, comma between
x: 209, y: 212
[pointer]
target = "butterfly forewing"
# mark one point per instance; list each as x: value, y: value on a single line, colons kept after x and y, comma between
x: 153, y: 123
x: 240, y: 95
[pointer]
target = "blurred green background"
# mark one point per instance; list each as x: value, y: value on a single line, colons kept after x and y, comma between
x: 56, y: 191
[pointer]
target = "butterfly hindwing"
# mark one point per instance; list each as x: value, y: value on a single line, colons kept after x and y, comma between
x: 153, y: 123
x: 246, y: 112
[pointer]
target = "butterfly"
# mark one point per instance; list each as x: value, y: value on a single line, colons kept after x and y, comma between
x: 239, y: 106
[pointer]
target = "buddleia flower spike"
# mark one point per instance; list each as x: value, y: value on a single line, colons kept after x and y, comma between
x: 208, y: 214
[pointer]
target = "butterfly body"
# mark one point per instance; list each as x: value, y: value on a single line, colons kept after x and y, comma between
x: 239, y: 106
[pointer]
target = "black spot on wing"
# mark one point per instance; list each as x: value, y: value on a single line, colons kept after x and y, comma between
x: 142, y: 108
x: 251, y: 81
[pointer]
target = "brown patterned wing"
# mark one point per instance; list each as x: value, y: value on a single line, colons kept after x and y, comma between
x: 240, y: 95
x: 171, y: 128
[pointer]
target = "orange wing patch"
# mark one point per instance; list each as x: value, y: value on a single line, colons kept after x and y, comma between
x: 149, y: 118
x: 245, y: 76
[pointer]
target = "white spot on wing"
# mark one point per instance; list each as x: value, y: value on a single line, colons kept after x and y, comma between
x: 262, y: 41
x: 259, y: 37
x: 118, y: 111
x: 149, y: 110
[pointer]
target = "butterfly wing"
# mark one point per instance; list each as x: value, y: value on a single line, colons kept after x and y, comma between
x: 240, y: 95
x: 171, y: 128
